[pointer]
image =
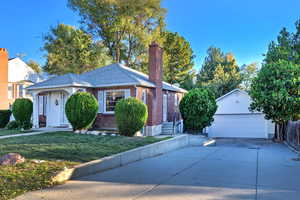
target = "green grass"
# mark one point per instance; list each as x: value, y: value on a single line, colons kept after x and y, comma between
x: 68, y: 147
x: 28, y: 176
x: 4, y: 132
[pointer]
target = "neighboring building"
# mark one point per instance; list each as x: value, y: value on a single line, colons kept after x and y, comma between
x: 15, y: 76
x: 109, y: 84
x: 234, y: 119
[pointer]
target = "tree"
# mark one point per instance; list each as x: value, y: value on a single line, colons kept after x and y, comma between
x: 276, y: 92
x: 197, y: 108
x: 126, y: 27
x: 248, y: 73
x: 225, y: 76
x: 178, y: 58
x: 71, y: 50
x: 282, y: 49
x: 190, y: 81
x: 35, y: 66
x: 214, y: 58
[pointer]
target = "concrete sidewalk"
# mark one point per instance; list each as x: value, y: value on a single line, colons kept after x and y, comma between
x: 263, y: 171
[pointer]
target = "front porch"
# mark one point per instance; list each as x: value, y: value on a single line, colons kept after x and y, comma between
x: 49, y: 108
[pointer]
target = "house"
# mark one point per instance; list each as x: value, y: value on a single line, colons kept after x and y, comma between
x: 234, y: 119
x: 15, y: 75
x: 109, y: 84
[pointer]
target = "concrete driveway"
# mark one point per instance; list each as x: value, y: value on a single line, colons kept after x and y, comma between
x: 234, y: 169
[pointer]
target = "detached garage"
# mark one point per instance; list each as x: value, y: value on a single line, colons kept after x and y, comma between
x: 233, y: 118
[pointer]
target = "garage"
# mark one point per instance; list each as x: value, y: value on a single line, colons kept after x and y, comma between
x: 233, y: 119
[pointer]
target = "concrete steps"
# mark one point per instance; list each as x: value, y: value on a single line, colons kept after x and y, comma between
x: 167, y: 128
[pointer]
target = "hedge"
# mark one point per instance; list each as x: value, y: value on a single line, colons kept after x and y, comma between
x: 22, y: 110
x: 81, y: 110
x: 197, y: 108
x: 131, y: 116
x: 4, y: 117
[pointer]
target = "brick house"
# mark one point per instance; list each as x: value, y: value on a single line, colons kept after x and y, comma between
x: 110, y: 84
x: 15, y: 75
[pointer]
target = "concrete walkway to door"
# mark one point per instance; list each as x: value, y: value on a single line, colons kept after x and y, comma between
x: 246, y: 169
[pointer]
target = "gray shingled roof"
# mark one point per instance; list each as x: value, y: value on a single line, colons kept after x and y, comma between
x: 110, y: 75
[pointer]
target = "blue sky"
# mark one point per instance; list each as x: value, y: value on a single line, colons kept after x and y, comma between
x: 243, y: 27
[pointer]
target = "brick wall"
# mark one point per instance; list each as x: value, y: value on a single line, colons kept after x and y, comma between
x: 104, y: 120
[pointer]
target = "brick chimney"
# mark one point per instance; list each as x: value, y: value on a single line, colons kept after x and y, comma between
x: 3, y: 79
x: 156, y: 94
x: 155, y: 63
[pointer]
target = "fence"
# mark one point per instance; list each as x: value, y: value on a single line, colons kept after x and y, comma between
x: 293, y: 134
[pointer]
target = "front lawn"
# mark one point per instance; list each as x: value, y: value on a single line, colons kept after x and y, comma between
x: 59, y: 149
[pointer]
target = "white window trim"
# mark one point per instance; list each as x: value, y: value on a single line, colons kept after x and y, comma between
x: 127, y: 94
x: 10, y: 93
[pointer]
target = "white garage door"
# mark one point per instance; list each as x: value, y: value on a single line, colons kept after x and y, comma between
x: 239, y: 125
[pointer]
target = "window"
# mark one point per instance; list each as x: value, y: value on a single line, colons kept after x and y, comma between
x: 112, y: 98
x: 144, y: 97
x: 176, y: 100
x: 21, y: 91
x: 108, y: 99
x: 10, y: 91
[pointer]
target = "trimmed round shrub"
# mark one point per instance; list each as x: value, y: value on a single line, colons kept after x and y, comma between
x: 4, y: 117
x: 81, y: 110
x: 12, y: 125
x: 22, y: 110
x: 197, y: 108
x: 131, y: 116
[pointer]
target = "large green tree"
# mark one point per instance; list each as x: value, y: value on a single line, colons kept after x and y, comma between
x: 126, y: 27
x: 220, y: 73
x: 178, y: 58
x: 248, y: 73
x: 214, y: 57
x: 276, y: 93
x: 281, y: 49
x: 71, y: 50
x: 35, y: 66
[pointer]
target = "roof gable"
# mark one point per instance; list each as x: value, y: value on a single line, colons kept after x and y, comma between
x: 235, y: 102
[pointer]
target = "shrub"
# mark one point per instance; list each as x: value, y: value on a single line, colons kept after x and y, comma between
x: 197, y: 109
x: 22, y: 110
x: 81, y: 110
x: 12, y: 125
x: 4, y: 117
x: 26, y: 125
x: 131, y: 116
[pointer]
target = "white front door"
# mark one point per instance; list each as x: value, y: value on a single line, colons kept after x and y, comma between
x: 165, y: 107
x: 53, y: 116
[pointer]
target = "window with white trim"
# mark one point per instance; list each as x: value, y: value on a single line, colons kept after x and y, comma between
x: 21, y: 91
x: 176, y: 100
x: 108, y: 99
x: 10, y: 91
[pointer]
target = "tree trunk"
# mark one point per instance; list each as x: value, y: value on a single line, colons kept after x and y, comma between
x: 280, y: 131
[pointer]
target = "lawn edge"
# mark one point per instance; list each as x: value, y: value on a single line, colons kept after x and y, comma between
x: 121, y: 159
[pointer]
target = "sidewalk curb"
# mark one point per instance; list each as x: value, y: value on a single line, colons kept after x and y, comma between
x: 125, y: 158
